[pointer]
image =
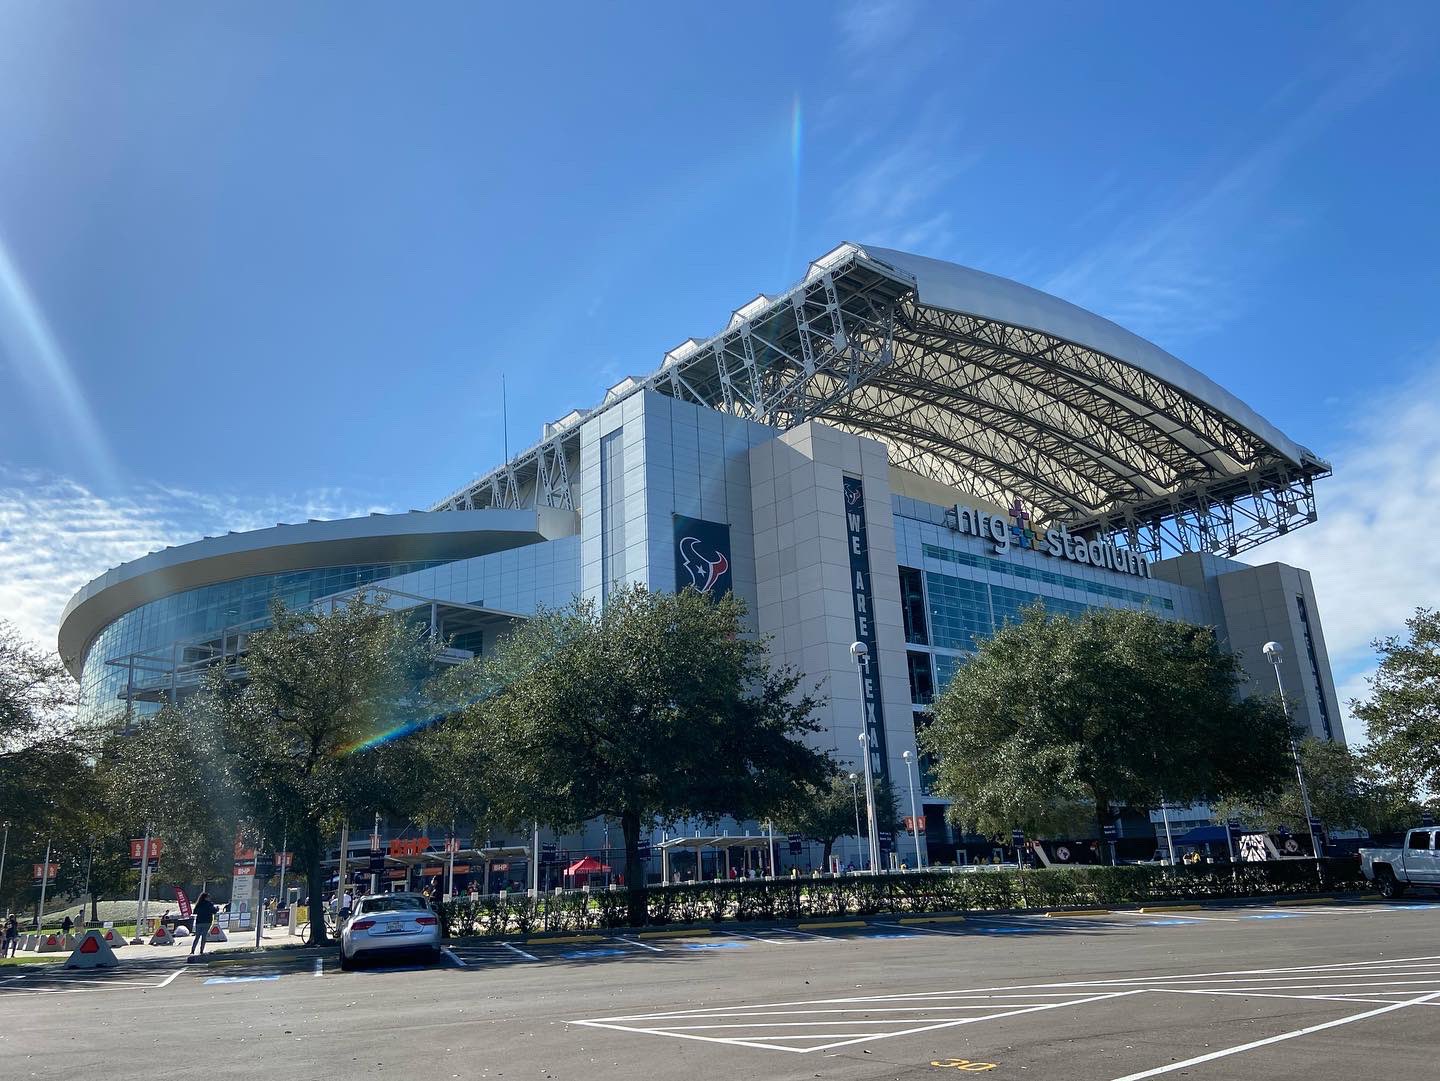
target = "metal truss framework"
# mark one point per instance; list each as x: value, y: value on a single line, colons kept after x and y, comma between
x: 1000, y: 411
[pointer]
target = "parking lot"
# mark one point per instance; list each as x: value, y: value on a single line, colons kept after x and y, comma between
x: 1315, y: 991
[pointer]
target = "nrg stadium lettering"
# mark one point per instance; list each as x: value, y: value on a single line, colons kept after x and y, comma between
x: 1059, y: 543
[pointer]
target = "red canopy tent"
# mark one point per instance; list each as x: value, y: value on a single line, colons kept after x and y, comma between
x: 587, y: 865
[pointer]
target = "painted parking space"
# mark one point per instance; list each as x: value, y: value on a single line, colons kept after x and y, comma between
x: 1332, y: 991
x: 54, y: 979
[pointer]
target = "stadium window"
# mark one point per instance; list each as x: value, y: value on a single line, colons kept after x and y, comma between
x: 912, y: 606
x: 922, y: 680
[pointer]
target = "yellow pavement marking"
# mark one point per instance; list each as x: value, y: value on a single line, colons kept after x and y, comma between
x: 1169, y: 908
x: 565, y: 938
x: 821, y: 925
x: 933, y: 919
x: 1307, y: 901
x: 1081, y: 912
x: 682, y: 932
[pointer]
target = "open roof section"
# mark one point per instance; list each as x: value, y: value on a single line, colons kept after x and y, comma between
x: 983, y: 384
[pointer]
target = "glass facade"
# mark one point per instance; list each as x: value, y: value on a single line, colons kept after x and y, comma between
x: 196, y: 613
x: 1054, y: 578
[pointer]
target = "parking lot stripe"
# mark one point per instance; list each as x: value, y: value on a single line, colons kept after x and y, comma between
x: 757, y: 938
x: 448, y: 952
x: 522, y: 953
x: 926, y: 930
x: 1238, y: 1049
x: 635, y: 942
x: 319, y: 966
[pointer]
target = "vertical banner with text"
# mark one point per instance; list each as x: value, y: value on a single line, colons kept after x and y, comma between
x: 858, y: 545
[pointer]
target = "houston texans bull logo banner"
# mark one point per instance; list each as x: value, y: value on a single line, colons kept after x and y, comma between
x: 702, y: 556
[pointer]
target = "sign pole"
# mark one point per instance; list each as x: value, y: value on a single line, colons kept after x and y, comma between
x: 4, y: 847
x: 140, y: 894
x: 452, y: 843
x: 375, y: 847
x: 44, y: 881
x: 344, y: 852
x: 535, y: 859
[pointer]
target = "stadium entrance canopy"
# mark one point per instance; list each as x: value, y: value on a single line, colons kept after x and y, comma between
x: 985, y: 385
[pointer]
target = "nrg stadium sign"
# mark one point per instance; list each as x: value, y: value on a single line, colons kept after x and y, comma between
x: 1059, y: 543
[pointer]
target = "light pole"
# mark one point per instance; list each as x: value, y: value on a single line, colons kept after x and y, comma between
x: 855, y: 793
x: 860, y: 651
x: 914, y: 819
x: 1275, y: 654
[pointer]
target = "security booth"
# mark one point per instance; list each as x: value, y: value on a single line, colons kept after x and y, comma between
x: 754, y: 854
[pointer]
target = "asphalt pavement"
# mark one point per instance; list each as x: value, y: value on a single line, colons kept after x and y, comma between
x: 1319, y: 992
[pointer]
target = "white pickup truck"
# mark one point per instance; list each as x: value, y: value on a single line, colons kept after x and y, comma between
x: 1395, y: 870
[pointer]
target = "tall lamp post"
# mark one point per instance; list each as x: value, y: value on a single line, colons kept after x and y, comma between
x: 855, y: 794
x: 860, y: 651
x: 914, y: 819
x: 1275, y: 654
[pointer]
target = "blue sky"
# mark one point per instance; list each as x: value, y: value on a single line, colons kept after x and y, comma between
x: 262, y: 262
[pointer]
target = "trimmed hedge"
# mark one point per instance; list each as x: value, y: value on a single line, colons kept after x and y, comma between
x: 911, y: 893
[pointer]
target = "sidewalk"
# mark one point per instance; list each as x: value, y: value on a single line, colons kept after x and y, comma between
x: 236, y: 940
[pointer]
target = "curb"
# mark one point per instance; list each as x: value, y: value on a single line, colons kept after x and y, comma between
x: 911, y: 920
x: 821, y: 925
x: 564, y: 938
x: 1080, y: 912
x: 1308, y: 901
x: 1169, y: 908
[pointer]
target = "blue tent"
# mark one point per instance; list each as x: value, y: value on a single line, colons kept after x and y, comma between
x: 1203, y: 835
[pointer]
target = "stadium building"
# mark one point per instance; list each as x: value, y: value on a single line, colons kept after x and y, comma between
x: 897, y: 450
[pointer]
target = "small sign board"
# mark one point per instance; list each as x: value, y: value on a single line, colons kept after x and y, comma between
x: 1017, y: 837
x: 1111, y: 832
x: 797, y: 843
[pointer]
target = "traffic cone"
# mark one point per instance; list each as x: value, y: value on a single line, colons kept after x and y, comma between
x: 162, y: 937
x: 48, y: 944
x: 216, y: 935
x: 93, y: 952
x: 111, y: 938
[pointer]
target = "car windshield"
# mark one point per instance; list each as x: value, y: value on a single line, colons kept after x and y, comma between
x: 396, y: 902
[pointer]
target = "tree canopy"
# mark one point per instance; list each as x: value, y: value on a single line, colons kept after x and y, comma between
x: 1114, y: 707
x: 652, y: 707
x: 312, y: 732
x: 1402, y: 711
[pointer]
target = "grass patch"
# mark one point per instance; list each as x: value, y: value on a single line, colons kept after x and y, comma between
x: 31, y: 959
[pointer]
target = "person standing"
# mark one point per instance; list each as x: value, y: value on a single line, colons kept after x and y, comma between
x: 205, y: 910
x: 12, y: 936
x: 66, y: 924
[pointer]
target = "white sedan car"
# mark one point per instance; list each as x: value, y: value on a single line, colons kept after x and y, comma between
x: 390, y: 923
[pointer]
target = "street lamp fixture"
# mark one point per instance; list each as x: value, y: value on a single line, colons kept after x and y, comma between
x: 1275, y: 654
x: 914, y: 819
x: 860, y: 652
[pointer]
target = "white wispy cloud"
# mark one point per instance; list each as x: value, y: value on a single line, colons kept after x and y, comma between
x: 1173, y: 269
x: 1370, y: 553
x: 56, y: 534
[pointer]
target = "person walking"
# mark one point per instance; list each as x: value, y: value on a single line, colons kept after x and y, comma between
x: 66, y: 924
x: 205, y: 910
x: 12, y: 936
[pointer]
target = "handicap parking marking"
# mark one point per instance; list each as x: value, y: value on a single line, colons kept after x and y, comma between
x: 1275, y: 916
x: 712, y: 945
x: 600, y: 951
x: 242, y: 979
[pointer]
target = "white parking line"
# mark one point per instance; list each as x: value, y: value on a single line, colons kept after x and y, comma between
x: 1198, y: 1059
x: 806, y: 934
x: 757, y: 938
x: 319, y: 967
x: 522, y: 953
x: 634, y: 942
x: 929, y: 930
x: 448, y: 952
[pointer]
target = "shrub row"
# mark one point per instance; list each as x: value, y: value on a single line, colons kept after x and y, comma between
x: 911, y: 893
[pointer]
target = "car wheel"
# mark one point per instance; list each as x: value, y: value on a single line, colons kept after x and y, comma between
x: 1389, y: 886
x: 347, y: 964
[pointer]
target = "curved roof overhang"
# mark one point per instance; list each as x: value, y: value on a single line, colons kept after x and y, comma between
x: 985, y: 385
x: 377, y: 538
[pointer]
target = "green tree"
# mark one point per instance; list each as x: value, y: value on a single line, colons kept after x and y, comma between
x: 318, y: 726
x: 655, y: 706
x: 1402, y: 711
x: 827, y: 811
x: 1345, y: 793
x: 1115, y: 707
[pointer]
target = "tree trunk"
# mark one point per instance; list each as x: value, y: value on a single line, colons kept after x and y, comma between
x: 825, y: 859
x: 315, y: 883
x: 634, y: 870
x: 1104, y: 816
x: 94, y: 908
